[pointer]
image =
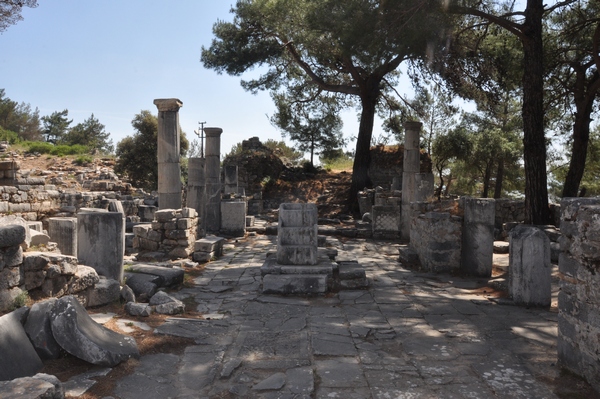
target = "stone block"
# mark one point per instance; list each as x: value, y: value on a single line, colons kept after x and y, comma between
x: 209, y: 244
x: 143, y: 285
x: 298, y: 235
x: 84, y: 278
x: 101, y: 242
x: 12, y: 235
x: 37, y: 226
x: 477, y: 251
x: 167, y: 277
x: 40, y: 386
x: 233, y: 218
x: 298, y: 215
x: 142, y: 230
x: 78, y: 334
x: 63, y: 231
x: 189, y: 213
x: 291, y: 284
x: 11, y: 256
x: 529, y: 266
x: 19, y: 358
x: 105, y: 291
x: 165, y: 215
x: 297, y: 254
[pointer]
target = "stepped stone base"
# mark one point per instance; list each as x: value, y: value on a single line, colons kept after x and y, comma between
x: 326, y: 276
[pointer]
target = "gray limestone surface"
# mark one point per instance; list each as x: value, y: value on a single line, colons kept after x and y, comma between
x: 409, y: 335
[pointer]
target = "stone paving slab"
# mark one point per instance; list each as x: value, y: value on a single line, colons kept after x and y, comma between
x: 409, y: 335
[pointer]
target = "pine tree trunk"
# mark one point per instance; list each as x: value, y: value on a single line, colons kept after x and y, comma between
x: 499, y: 179
x: 362, y: 157
x: 534, y: 141
x: 581, y: 135
x: 486, y: 181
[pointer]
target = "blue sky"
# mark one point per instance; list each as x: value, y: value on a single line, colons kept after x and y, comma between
x: 112, y: 58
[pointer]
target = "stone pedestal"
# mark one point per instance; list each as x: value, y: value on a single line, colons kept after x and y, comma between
x: 297, y: 234
x: 478, y: 237
x: 213, y: 179
x: 169, y: 171
x: 233, y: 218
x: 101, y: 242
x: 63, y: 231
x: 529, y: 270
x: 410, y: 168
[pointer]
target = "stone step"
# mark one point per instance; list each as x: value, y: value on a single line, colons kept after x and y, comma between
x: 294, y: 284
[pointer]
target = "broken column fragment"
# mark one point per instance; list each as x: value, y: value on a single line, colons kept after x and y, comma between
x: 78, y: 334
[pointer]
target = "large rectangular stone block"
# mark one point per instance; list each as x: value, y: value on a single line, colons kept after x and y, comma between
x: 101, y: 242
x: 289, y: 284
x: 297, y: 254
x: 529, y: 269
x: 233, y: 218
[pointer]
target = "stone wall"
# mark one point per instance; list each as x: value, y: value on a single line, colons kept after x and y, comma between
x: 172, y: 233
x: 41, y: 274
x: 579, y: 297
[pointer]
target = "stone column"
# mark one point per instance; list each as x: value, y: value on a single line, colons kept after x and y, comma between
x: 410, y: 168
x: 101, y: 242
x: 169, y: 171
x: 63, y: 231
x: 196, y: 196
x: 477, y: 254
x: 213, y: 179
x: 529, y: 267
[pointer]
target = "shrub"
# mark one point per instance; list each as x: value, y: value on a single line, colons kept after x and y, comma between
x: 83, y: 160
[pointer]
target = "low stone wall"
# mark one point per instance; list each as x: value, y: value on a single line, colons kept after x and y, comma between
x: 173, y: 232
x: 579, y: 297
x: 41, y: 274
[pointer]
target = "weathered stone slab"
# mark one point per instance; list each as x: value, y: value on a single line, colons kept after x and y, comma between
x: 165, y: 304
x: 39, y: 330
x: 40, y: 386
x: 167, y: 276
x: 529, y: 269
x: 78, y: 334
x: 143, y: 285
x: 209, y: 244
x: 101, y: 242
x: 286, y: 284
x: 19, y: 358
x: 103, y: 292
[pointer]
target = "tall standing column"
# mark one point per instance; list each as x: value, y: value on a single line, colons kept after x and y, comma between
x: 196, y: 195
x: 410, y: 168
x: 213, y: 179
x: 169, y: 171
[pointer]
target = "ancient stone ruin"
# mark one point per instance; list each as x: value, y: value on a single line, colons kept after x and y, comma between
x: 70, y: 249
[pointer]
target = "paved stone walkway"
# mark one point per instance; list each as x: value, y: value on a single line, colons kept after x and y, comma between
x: 411, y: 335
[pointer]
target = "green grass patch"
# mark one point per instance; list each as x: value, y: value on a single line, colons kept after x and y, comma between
x: 42, y: 147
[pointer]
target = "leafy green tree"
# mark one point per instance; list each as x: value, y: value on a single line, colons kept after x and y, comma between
x: 90, y: 133
x: 574, y: 81
x: 350, y: 49
x: 56, y: 126
x: 10, y: 11
x: 316, y: 126
x: 527, y: 27
x: 19, y: 118
x: 456, y: 145
x: 590, y: 184
x: 137, y: 154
